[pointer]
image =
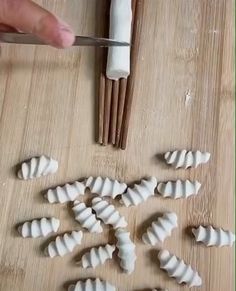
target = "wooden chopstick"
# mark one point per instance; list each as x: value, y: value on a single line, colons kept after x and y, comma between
x: 102, y: 82
x: 120, y: 110
x: 137, y: 26
x: 101, y: 99
x: 107, y: 110
x: 114, y: 107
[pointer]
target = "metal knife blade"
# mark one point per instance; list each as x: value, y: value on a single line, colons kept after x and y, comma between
x: 26, y: 38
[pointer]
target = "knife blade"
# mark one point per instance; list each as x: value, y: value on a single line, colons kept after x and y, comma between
x: 27, y: 38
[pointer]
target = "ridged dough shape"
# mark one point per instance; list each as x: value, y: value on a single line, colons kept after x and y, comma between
x: 160, y: 229
x: 186, y: 159
x: 97, y: 256
x: 105, y: 186
x: 159, y: 289
x: 126, y: 250
x: 64, y: 244
x: 39, y: 227
x: 107, y: 213
x: 178, y: 189
x: 37, y: 167
x: 86, y: 218
x: 68, y: 192
x: 213, y: 236
x: 92, y: 285
x: 140, y: 192
x: 178, y: 269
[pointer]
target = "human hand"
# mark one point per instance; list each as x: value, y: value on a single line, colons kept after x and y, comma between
x: 27, y: 16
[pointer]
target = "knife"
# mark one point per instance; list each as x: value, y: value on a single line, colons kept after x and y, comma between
x: 27, y: 38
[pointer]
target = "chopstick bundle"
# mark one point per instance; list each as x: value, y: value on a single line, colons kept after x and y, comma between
x: 116, y: 96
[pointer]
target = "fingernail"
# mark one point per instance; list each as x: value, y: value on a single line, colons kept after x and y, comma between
x: 67, y: 36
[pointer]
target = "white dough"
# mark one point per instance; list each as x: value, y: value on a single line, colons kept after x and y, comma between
x: 86, y: 218
x: 68, y: 192
x: 186, y: 159
x: 92, y: 285
x: 140, y: 192
x: 213, y: 236
x: 126, y: 250
x: 97, y: 256
x: 39, y: 227
x: 160, y: 229
x: 178, y: 189
x: 64, y: 244
x: 118, y: 60
x: 37, y: 167
x: 107, y: 213
x: 178, y: 269
x: 105, y: 186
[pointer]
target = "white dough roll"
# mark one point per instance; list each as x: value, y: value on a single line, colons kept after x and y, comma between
x: 118, y: 60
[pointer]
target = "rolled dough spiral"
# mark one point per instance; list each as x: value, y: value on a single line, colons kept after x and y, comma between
x: 178, y: 269
x: 37, y: 167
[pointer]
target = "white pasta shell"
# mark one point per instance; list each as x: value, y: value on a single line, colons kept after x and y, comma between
x: 160, y: 229
x: 97, y: 256
x: 178, y: 189
x: 68, y: 192
x: 86, y: 218
x: 105, y: 186
x: 159, y: 289
x: 39, y: 227
x: 178, y: 269
x: 107, y: 213
x: 92, y: 285
x: 126, y: 250
x: 37, y: 167
x: 140, y: 192
x: 213, y: 236
x: 64, y: 244
x: 186, y: 159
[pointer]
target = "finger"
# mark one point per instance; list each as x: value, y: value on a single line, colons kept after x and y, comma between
x: 6, y: 28
x: 27, y: 16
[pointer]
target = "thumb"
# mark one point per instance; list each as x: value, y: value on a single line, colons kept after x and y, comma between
x: 27, y: 16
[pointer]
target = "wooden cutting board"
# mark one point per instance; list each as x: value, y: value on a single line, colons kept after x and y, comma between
x: 48, y: 104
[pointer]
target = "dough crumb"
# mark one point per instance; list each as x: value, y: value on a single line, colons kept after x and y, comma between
x: 188, y: 98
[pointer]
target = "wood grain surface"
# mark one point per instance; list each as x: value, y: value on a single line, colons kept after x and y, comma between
x: 47, y: 106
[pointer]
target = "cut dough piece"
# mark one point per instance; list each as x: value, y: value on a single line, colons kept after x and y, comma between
x: 86, y: 218
x: 64, y: 244
x: 186, y: 159
x: 160, y: 229
x: 140, y: 192
x: 37, y: 167
x: 213, y: 236
x: 97, y: 256
x: 92, y: 285
x: 118, y: 60
x: 126, y: 250
x: 107, y: 213
x: 68, y: 192
x: 105, y: 186
x: 178, y: 269
x: 39, y: 227
x: 178, y: 189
